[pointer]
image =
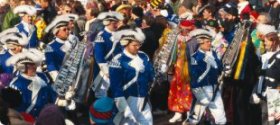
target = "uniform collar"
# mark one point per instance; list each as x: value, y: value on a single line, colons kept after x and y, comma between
x: 11, y: 52
x: 28, y: 77
x: 129, y: 55
x: 60, y: 40
x: 107, y: 30
x: 26, y: 26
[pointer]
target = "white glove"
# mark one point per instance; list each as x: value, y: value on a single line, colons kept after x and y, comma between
x: 210, y: 60
x: 104, y: 68
x: 70, y: 93
x: 61, y: 102
x: 53, y: 74
x: 204, y: 101
x: 163, y: 68
x: 227, y: 70
x: 71, y: 106
x: 122, y: 106
x: 255, y: 98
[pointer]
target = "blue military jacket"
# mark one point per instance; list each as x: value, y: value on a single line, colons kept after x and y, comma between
x: 126, y: 80
x: 33, y: 39
x: 45, y: 94
x: 54, y: 55
x: 203, y: 73
x: 3, y: 67
x: 103, y: 45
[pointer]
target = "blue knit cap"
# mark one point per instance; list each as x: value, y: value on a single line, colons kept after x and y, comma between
x: 101, y: 110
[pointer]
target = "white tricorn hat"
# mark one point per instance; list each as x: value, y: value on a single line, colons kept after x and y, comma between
x: 201, y: 34
x: 25, y: 9
x: 124, y: 36
x: 72, y: 16
x: 11, y: 37
x: 30, y: 56
x: 106, y: 17
x: 59, y: 21
x: 265, y: 29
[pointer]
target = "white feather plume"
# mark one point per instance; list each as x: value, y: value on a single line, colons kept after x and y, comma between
x: 15, y: 36
x: 57, y: 20
x: 265, y: 29
x: 8, y: 31
x: 137, y: 33
x: 112, y: 14
x: 30, y: 10
x: 29, y: 56
x: 198, y: 32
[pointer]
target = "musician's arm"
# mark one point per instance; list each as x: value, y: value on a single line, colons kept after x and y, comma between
x: 52, y: 94
x: 99, y: 55
x: 50, y: 62
x: 116, y: 81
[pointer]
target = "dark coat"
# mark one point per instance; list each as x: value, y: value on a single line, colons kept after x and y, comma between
x: 150, y: 44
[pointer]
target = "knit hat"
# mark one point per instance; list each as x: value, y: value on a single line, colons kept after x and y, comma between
x: 11, y: 96
x: 101, y: 110
x: 5, y: 79
x: 212, y: 23
x: 51, y: 115
x: 231, y: 9
x: 187, y: 23
x: 255, y: 14
x: 138, y: 11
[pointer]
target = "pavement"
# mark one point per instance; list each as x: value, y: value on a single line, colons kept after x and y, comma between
x: 163, y: 119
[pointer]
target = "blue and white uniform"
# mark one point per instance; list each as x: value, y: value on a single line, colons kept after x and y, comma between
x: 36, y: 93
x: 55, y: 53
x: 104, y: 50
x: 130, y: 76
x: 31, y: 32
x: 205, y: 69
x: 3, y: 58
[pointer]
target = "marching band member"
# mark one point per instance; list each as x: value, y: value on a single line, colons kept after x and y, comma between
x: 130, y: 74
x: 15, y: 43
x: 34, y: 87
x: 26, y: 12
x: 57, y: 49
x: 104, y: 50
x: 268, y: 86
x: 205, y: 69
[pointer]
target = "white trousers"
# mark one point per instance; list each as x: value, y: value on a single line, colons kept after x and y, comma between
x: 143, y: 117
x: 101, y: 86
x: 216, y: 108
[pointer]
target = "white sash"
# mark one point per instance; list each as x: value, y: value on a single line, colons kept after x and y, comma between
x: 35, y: 86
